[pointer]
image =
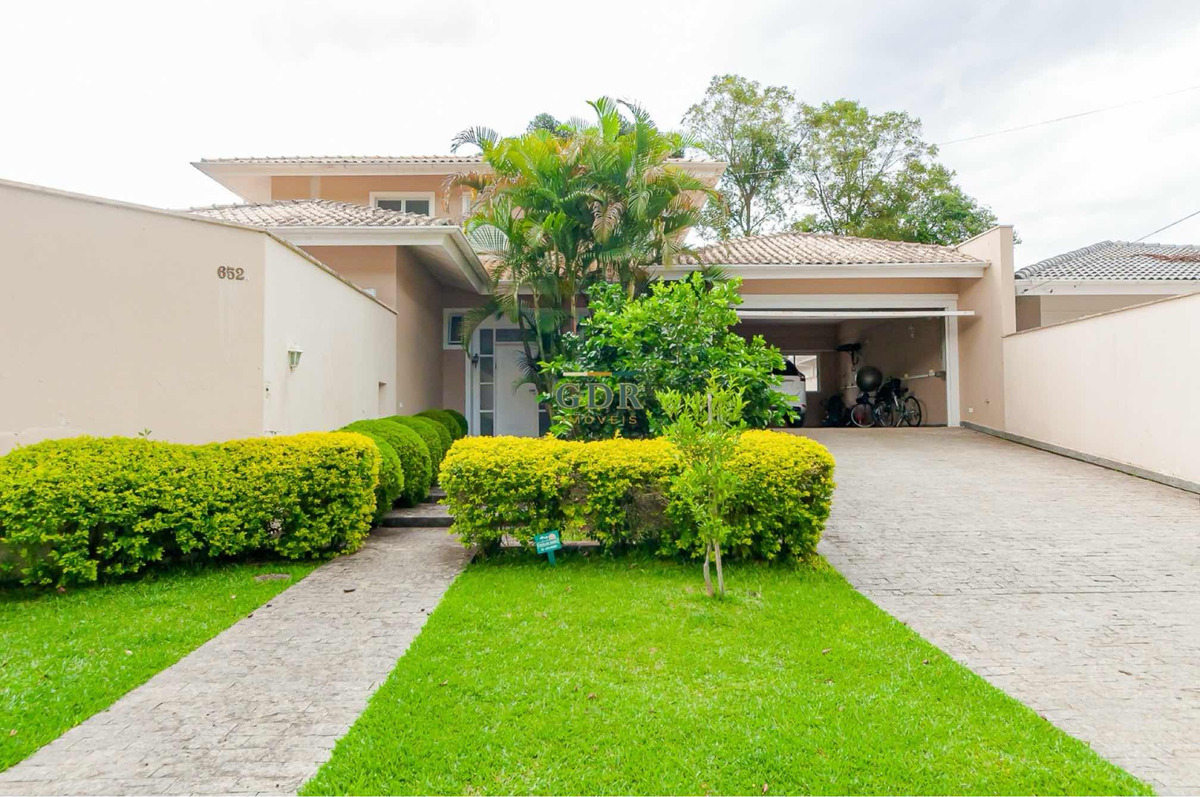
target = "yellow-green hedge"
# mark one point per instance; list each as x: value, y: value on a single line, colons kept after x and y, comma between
x: 78, y: 509
x: 449, y: 420
x: 435, y: 436
x: 618, y: 492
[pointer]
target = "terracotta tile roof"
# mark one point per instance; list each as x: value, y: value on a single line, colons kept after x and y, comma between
x: 370, y: 160
x: 315, y: 213
x: 1118, y: 260
x: 799, y: 248
x: 381, y: 160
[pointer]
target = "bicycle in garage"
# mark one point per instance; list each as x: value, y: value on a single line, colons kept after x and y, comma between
x: 895, y: 405
x: 891, y: 405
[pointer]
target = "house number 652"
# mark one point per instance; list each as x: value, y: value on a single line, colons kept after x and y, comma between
x: 231, y: 273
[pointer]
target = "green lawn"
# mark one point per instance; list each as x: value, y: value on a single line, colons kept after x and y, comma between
x: 65, y: 657
x: 620, y: 676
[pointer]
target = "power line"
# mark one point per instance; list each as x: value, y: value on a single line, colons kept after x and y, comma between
x: 1018, y: 128
x: 1169, y: 226
x: 1070, y: 116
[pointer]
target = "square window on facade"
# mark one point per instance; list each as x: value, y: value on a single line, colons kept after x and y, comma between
x: 454, y: 326
x: 404, y: 204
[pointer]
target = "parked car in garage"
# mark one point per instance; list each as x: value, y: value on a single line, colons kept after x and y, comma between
x: 795, y: 387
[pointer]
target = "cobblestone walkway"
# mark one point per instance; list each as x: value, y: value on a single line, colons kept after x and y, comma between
x: 259, y: 707
x: 1073, y: 588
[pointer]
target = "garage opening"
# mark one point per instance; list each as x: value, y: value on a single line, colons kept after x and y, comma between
x: 917, y: 346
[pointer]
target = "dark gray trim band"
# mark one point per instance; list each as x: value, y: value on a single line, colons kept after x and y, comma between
x: 1111, y: 464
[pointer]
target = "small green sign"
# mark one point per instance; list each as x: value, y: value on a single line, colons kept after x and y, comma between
x: 548, y: 543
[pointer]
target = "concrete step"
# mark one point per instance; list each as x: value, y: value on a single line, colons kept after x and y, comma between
x: 422, y: 516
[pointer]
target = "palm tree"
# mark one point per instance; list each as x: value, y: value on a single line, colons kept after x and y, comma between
x: 642, y: 205
x: 559, y: 210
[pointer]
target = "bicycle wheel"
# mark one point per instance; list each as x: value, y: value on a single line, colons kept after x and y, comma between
x: 912, y: 411
x: 885, y: 414
x: 862, y: 416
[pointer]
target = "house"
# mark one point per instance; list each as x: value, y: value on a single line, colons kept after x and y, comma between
x: 352, y: 278
x: 1104, y: 276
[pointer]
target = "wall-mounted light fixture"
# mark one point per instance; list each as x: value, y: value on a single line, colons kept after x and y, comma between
x: 294, y: 353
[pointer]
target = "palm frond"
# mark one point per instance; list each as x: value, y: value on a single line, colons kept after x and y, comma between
x: 488, y: 238
x: 482, y: 137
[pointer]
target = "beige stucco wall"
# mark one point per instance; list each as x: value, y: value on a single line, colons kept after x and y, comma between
x: 372, y: 267
x: 358, y: 189
x: 405, y: 285
x: 1066, y: 385
x: 980, y: 347
x: 114, y: 321
x: 454, y: 360
x: 1028, y: 312
x: 418, y: 336
x: 1057, y: 308
x: 348, y: 367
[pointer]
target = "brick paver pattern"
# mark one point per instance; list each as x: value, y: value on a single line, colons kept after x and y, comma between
x: 1073, y: 588
x: 258, y: 708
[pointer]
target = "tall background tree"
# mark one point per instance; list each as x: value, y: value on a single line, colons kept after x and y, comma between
x: 833, y: 168
x: 875, y: 176
x: 756, y: 130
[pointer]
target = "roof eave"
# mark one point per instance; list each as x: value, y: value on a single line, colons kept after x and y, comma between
x: 449, y: 237
x: 970, y: 269
x: 1034, y: 286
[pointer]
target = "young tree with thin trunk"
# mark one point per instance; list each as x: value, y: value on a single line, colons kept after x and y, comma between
x: 705, y: 428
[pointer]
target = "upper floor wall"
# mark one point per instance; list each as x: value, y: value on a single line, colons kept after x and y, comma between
x: 414, y: 193
x: 412, y: 183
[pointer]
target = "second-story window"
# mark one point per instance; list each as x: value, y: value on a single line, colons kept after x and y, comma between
x: 405, y: 202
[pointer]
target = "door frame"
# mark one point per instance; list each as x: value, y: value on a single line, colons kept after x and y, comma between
x: 471, y: 372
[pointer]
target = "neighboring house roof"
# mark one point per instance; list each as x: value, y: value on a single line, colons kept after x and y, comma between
x: 1119, y: 260
x: 815, y: 249
x: 315, y: 213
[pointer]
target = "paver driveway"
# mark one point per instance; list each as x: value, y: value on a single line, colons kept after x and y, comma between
x: 1074, y: 588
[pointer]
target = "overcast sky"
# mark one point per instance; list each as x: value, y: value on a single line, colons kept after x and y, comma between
x: 117, y: 98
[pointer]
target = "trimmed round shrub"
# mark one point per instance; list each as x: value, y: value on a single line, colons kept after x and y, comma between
x: 462, y: 421
x: 434, y: 435
x: 618, y: 492
x: 440, y: 429
x: 446, y: 420
x: 391, y: 473
x: 415, y: 457
x: 785, y: 491
x: 85, y: 508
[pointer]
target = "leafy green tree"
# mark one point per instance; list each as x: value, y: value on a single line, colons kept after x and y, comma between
x: 547, y: 122
x: 704, y: 426
x: 874, y: 176
x: 756, y: 130
x: 677, y: 337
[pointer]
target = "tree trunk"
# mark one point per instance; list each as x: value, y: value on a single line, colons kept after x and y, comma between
x: 720, y: 575
x: 707, y: 579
